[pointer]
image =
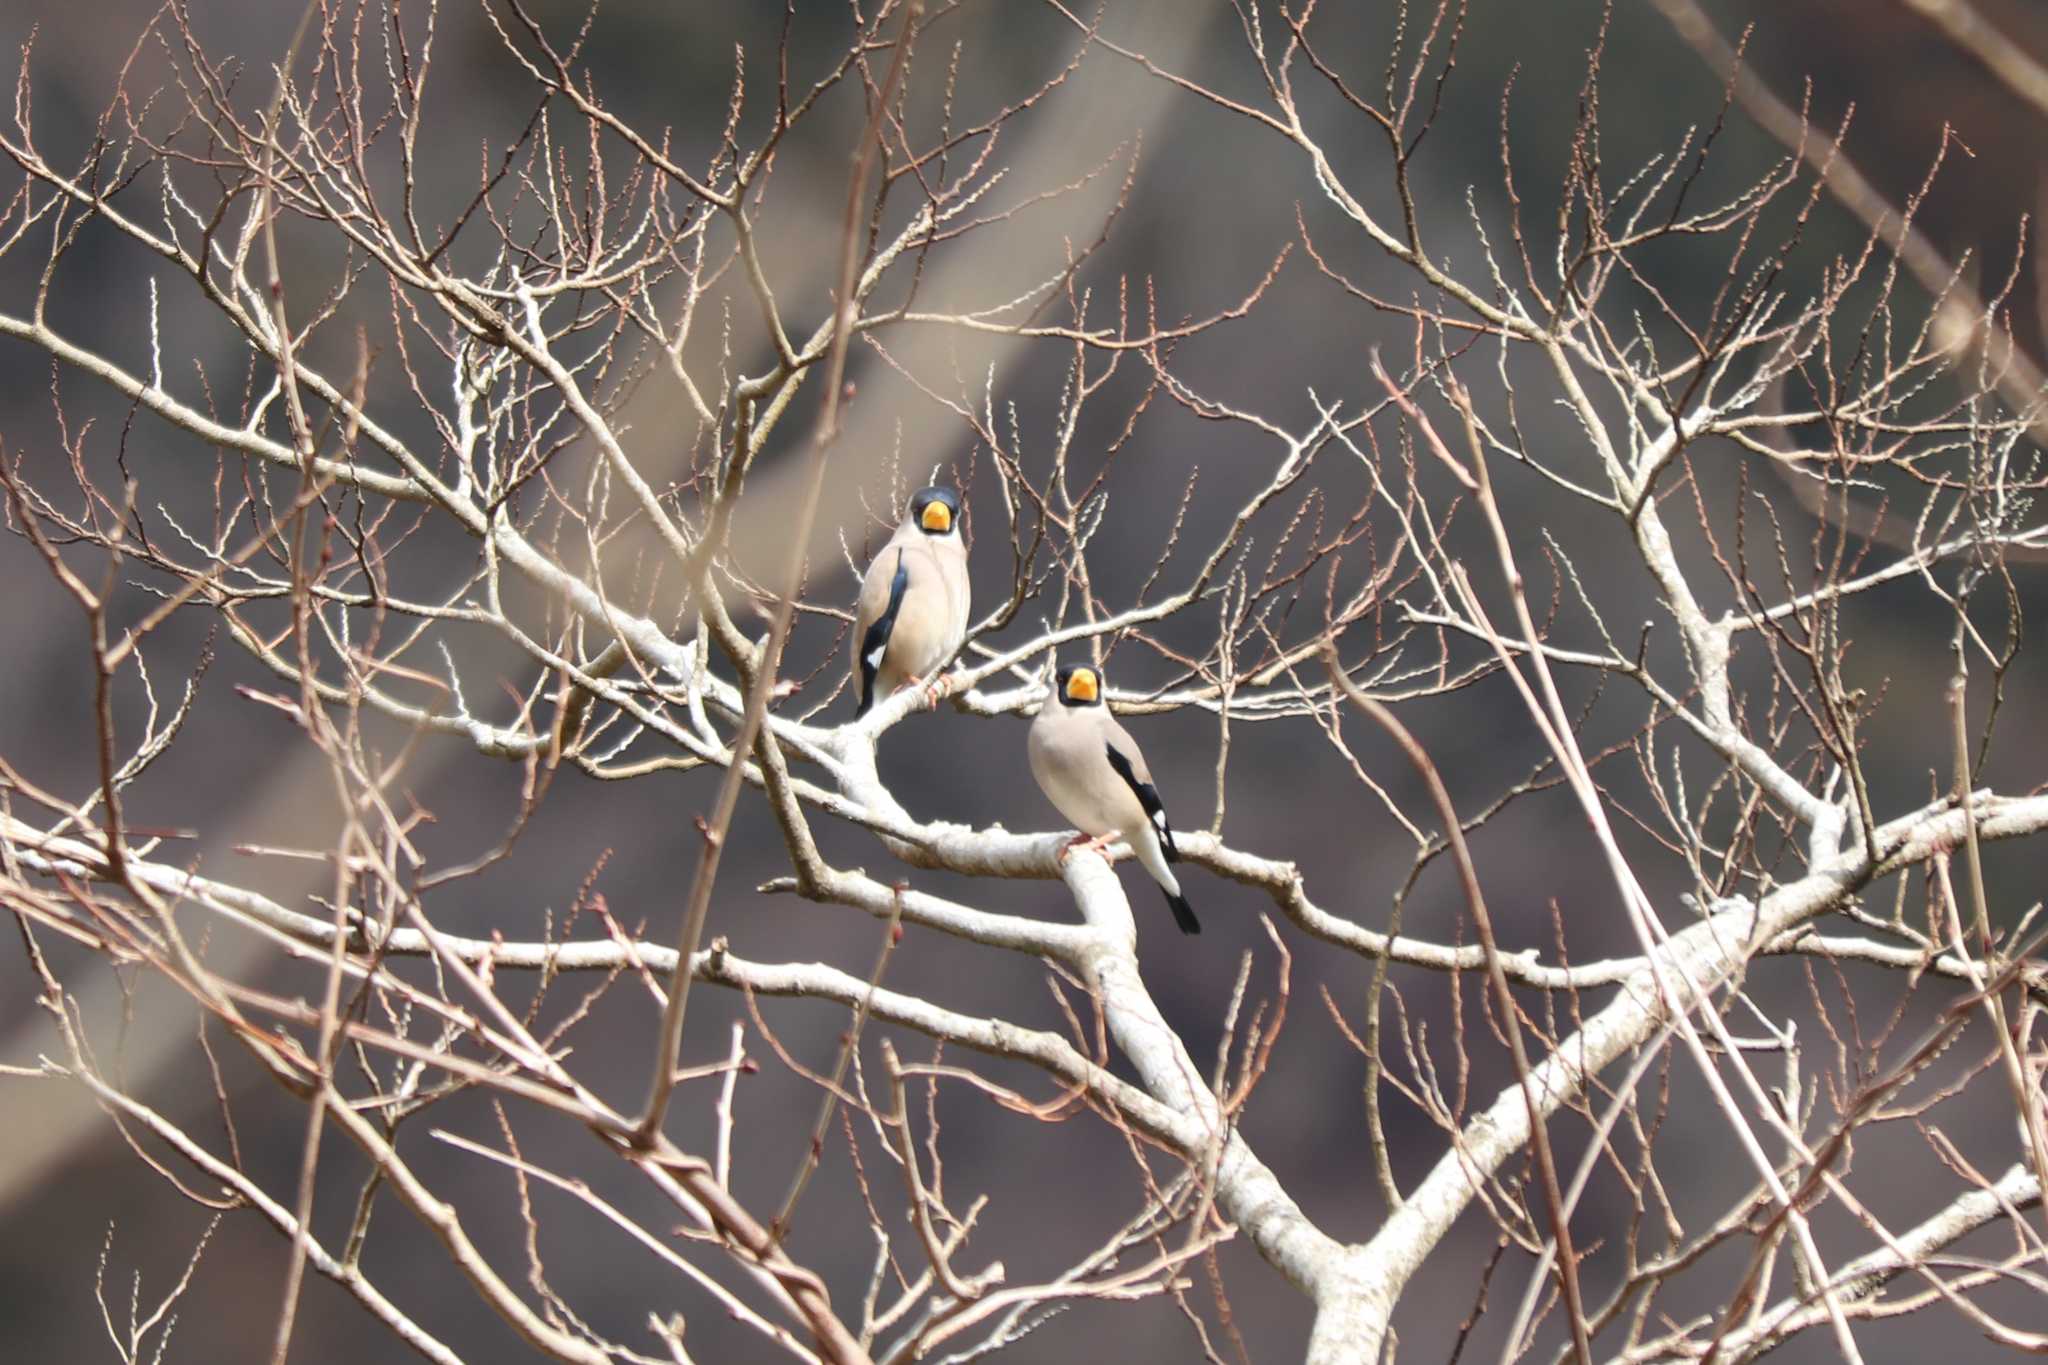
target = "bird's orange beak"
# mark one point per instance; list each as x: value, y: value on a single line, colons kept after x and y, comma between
x: 937, y: 517
x: 1082, y: 686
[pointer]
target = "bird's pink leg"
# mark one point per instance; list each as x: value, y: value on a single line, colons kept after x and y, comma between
x: 1092, y: 843
x: 935, y: 691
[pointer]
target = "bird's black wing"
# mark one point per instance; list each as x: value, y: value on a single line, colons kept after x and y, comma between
x: 876, y: 642
x: 1148, y: 797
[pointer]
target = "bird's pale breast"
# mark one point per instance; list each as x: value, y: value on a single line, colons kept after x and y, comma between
x: 1072, y: 768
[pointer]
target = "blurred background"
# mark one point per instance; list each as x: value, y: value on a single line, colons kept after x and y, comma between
x: 1213, y: 201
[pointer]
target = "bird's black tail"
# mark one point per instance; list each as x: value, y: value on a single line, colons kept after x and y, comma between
x: 1183, y: 914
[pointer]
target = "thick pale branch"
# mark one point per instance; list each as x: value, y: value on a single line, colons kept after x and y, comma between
x: 1695, y: 961
x: 1860, y: 1279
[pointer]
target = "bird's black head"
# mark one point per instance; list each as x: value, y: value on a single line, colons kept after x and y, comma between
x: 1079, y: 685
x: 936, y: 510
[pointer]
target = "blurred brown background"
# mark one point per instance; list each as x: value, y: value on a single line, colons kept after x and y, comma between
x: 1213, y: 202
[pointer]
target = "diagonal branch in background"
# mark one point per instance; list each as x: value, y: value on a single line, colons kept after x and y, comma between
x: 2019, y: 379
x: 1965, y: 25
